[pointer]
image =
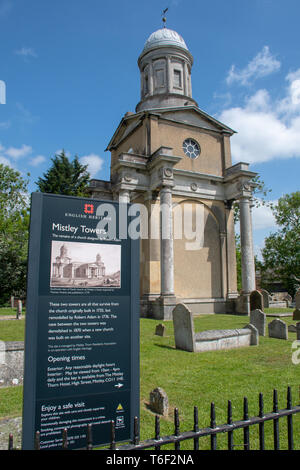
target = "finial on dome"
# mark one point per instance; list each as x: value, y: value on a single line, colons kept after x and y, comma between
x: 164, y: 19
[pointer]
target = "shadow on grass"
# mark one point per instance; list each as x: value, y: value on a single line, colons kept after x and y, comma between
x: 165, y: 346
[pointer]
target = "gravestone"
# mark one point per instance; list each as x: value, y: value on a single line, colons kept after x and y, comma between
x: 256, y: 301
x: 159, y: 402
x: 297, y: 299
x: 19, y: 309
x: 266, y: 297
x: 296, y: 314
x: 292, y: 329
x: 278, y: 329
x: 258, y: 319
x: 183, y: 328
x: 289, y: 299
x: 160, y: 330
x: 298, y: 330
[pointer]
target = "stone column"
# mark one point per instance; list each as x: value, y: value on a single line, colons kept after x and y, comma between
x: 253, y: 260
x: 151, y: 78
x: 224, y: 281
x: 167, y: 250
x: 168, y: 75
x: 124, y: 196
x: 185, y: 79
x: 164, y: 306
x: 248, y: 271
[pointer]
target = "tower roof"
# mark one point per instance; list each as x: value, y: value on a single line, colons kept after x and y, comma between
x: 164, y: 37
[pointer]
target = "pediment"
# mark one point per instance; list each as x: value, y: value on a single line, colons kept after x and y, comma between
x: 126, y: 127
x: 195, y: 117
x: 190, y: 115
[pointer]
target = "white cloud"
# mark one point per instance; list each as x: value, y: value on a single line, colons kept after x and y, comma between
x: 263, y: 64
x: 26, y: 52
x: 4, y: 124
x: 4, y: 161
x: 94, y: 163
x: 16, y: 153
x: 263, y: 218
x: 37, y: 160
x: 267, y: 129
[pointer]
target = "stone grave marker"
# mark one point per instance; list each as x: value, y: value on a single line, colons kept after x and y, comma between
x: 289, y: 299
x: 19, y: 309
x: 160, y: 330
x: 256, y: 301
x: 296, y: 314
x: 183, y: 328
x: 292, y: 328
x: 278, y: 329
x: 266, y: 297
x: 297, y: 299
x: 298, y: 330
x: 159, y: 402
x: 258, y: 319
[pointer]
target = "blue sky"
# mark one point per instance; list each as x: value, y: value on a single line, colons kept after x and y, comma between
x: 70, y: 69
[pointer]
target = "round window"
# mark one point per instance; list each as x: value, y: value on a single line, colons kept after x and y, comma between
x: 191, y: 148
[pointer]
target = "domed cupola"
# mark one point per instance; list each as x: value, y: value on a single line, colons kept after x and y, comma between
x: 165, y: 65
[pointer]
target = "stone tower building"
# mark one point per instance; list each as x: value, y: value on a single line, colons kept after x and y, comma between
x: 170, y: 154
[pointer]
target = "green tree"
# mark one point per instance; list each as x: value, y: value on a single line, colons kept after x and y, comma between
x: 260, y: 192
x: 65, y: 177
x: 14, y: 223
x: 281, y: 254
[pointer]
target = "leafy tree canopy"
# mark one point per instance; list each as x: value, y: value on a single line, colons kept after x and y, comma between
x: 281, y: 254
x: 260, y: 192
x: 14, y: 223
x: 65, y: 177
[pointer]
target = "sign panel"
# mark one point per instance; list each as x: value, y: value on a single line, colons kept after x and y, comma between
x: 82, y: 323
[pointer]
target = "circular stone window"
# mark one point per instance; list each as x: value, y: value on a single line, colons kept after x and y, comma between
x: 191, y: 148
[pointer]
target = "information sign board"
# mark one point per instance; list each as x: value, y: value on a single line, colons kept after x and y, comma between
x: 82, y: 323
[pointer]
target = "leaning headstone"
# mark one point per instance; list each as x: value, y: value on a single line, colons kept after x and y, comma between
x: 278, y: 329
x: 266, y: 297
x: 160, y: 330
x: 292, y: 328
x: 183, y: 328
x: 297, y: 299
x: 298, y: 330
x: 258, y: 319
x: 19, y: 309
x: 256, y: 300
x: 296, y: 314
x: 159, y: 402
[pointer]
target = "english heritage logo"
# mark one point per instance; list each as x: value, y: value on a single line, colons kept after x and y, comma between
x: 88, y: 208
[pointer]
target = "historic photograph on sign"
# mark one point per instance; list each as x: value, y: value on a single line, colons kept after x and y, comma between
x: 85, y: 265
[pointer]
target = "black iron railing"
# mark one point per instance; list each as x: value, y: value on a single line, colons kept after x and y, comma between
x: 195, y: 435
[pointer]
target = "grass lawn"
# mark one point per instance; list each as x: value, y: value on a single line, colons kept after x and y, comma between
x: 5, y: 311
x: 191, y: 379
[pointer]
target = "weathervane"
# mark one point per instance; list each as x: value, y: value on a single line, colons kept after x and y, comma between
x: 163, y: 15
